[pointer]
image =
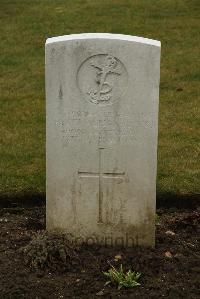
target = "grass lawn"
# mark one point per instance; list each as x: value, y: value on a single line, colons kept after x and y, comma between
x: 26, y: 24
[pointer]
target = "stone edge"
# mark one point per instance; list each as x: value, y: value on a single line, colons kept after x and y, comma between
x: 110, y: 36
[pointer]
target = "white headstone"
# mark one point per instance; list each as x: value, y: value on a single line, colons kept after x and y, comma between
x: 102, y: 93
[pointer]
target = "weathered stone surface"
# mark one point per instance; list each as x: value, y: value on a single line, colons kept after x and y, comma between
x: 102, y: 93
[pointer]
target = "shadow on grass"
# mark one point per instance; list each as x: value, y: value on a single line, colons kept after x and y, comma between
x: 164, y: 200
x: 24, y: 200
x: 178, y: 201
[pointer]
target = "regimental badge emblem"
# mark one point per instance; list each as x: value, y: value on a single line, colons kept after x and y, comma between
x: 102, y: 79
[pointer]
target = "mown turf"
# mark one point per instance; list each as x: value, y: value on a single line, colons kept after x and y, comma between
x: 24, y: 27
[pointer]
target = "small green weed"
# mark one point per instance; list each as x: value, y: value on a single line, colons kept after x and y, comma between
x: 157, y: 219
x: 127, y: 279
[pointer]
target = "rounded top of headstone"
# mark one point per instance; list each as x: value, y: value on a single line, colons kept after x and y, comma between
x: 110, y: 36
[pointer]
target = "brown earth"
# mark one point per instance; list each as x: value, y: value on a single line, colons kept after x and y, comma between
x: 171, y: 270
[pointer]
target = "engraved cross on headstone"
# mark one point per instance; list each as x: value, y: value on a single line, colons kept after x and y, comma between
x: 101, y: 175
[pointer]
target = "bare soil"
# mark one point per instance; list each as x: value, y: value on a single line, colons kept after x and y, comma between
x: 171, y: 270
